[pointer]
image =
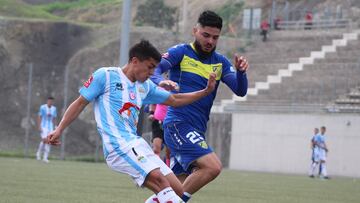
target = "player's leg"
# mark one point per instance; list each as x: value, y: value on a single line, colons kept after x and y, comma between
x: 190, y: 154
x: 208, y: 167
x: 315, y: 163
x: 157, y: 137
x: 167, y: 156
x: 39, y: 150
x: 156, y: 145
x: 146, y: 169
x: 41, y: 147
x: 171, y: 178
x: 323, y: 164
x: 47, y: 148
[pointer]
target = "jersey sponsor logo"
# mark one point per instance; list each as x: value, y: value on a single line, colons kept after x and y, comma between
x: 119, y: 86
x: 141, y: 159
x: 215, y: 68
x: 127, y: 107
x: 88, y: 82
x: 129, y: 113
x: 203, y: 144
x: 191, y: 65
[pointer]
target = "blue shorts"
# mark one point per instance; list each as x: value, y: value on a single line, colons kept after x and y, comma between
x: 186, y: 145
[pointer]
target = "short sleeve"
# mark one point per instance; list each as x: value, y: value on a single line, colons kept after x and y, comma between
x: 94, y: 86
x: 156, y: 95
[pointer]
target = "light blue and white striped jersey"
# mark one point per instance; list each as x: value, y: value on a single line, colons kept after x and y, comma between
x: 117, y: 102
x: 47, y: 115
x: 320, y: 141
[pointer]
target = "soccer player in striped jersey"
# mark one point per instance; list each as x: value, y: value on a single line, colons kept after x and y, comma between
x: 189, y: 65
x: 46, y: 123
x: 117, y: 95
x: 321, y: 151
x: 313, y: 162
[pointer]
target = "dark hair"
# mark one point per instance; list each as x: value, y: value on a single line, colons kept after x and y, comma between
x: 144, y: 50
x: 211, y: 19
x: 51, y: 98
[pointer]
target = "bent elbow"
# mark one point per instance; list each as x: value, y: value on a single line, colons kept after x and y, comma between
x: 241, y: 93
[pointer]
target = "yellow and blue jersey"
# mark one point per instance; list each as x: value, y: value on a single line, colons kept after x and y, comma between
x: 191, y: 72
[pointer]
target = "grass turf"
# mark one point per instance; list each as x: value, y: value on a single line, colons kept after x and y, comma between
x: 28, y: 180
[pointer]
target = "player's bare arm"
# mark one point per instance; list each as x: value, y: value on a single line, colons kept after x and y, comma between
x: 241, y: 63
x: 187, y: 98
x: 70, y: 115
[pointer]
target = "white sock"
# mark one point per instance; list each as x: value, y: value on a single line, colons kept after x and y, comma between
x: 46, y: 151
x: 323, y: 170
x: 168, y: 195
x: 313, y: 167
x: 38, y: 153
x: 152, y: 199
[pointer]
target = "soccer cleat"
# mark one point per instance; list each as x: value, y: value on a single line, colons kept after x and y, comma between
x: 311, y: 176
x: 45, y: 160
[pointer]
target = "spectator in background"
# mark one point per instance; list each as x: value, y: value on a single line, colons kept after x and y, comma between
x: 308, y: 20
x: 46, y: 123
x: 264, y: 29
x: 277, y: 22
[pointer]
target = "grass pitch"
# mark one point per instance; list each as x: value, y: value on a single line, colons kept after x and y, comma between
x: 28, y: 180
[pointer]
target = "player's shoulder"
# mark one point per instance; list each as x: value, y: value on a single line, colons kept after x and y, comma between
x: 220, y: 57
x: 179, y: 48
x: 107, y: 69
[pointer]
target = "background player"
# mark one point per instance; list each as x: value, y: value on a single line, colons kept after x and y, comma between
x: 46, y: 122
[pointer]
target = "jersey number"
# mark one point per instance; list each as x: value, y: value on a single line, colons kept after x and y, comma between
x: 194, y: 137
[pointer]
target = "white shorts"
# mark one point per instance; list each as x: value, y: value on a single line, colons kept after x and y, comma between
x: 137, y: 162
x: 44, y: 133
x: 319, y: 154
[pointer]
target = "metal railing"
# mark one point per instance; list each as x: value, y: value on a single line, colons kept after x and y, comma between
x: 315, y: 24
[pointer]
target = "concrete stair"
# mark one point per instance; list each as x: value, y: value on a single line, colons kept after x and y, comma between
x: 325, y: 60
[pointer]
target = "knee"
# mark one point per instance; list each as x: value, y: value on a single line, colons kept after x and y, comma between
x: 215, y: 170
x: 158, y: 179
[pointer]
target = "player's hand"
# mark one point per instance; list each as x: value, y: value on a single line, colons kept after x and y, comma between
x: 151, y: 117
x: 169, y: 85
x: 241, y: 64
x: 53, y: 138
x: 211, y: 83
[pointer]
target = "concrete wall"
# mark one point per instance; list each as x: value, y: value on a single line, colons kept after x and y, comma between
x: 281, y: 142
